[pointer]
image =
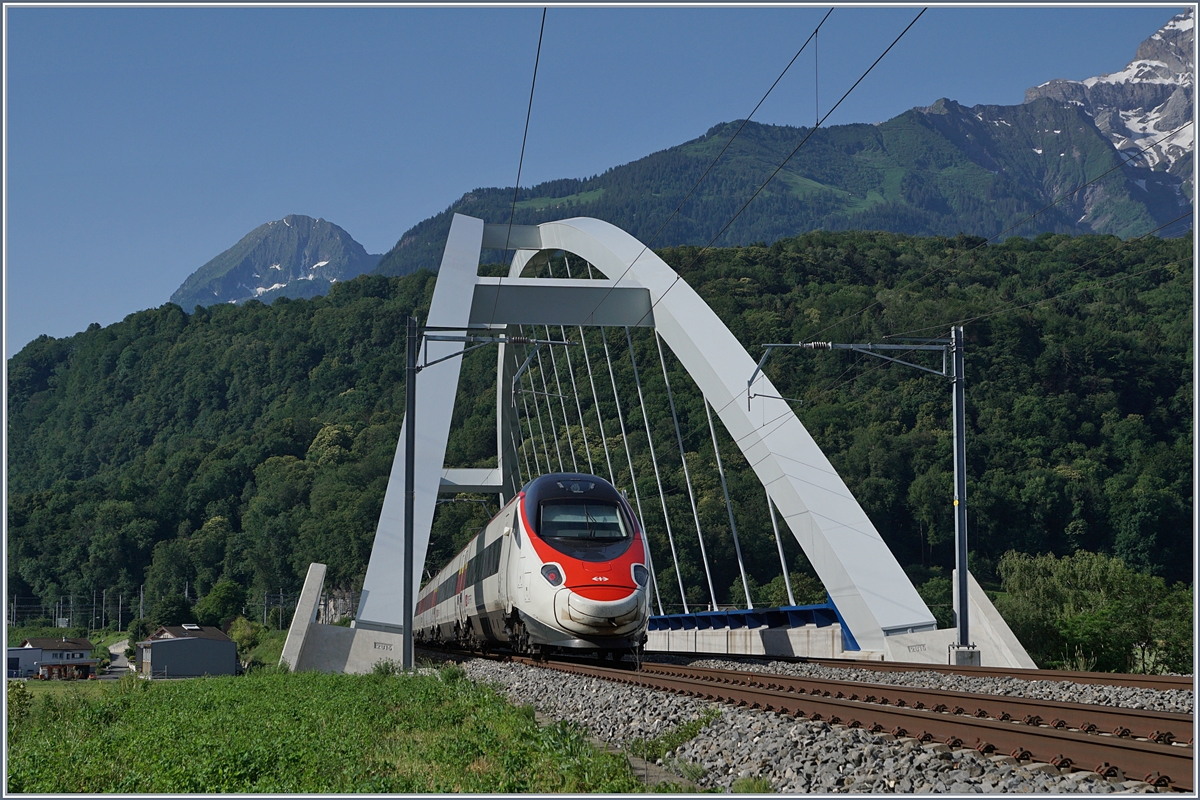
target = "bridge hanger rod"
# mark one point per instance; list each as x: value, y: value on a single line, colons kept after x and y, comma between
x: 737, y: 547
x: 549, y: 411
x: 629, y: 458
x: 562, y: 401
x: 662, y: 496
x: 687, y: 478
x: 587, y: 447
x: 787, y: 579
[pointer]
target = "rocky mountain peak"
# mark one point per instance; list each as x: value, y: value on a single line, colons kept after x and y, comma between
x: 296, y: 256
x: 1145, y: 108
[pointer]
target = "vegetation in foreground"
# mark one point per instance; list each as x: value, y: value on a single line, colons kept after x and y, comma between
x: 272, y: 731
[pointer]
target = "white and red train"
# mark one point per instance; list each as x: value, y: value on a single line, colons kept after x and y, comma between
x: 562, y: 566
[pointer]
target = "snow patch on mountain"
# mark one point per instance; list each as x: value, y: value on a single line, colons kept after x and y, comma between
x: 1144, y: 109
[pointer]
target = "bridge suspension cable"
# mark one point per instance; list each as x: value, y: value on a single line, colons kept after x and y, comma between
x: 737, y: 547
x: 687, y: 478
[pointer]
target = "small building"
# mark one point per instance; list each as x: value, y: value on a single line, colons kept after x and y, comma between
x: 187, y: 651
x: 23, y: 661
x: 54, y: 659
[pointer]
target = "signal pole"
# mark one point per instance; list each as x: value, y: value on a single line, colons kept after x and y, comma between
x: 953, y: 368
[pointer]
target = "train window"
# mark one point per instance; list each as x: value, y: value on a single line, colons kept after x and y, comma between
x: 567, y: 520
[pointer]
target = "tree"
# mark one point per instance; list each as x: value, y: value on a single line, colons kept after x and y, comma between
x: 221, y: 605
x: 173, y: 609
x: 1092, y: 610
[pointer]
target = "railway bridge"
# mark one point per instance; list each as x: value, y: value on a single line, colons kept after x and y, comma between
x: 612, y: 282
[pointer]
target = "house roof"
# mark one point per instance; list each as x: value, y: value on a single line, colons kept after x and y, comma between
x: 188, y: 631
x: 47, y: 643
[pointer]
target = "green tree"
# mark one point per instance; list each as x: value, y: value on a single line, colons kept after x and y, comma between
x: 172, y: 609
x: 221, y: 605
x: 1091, y: 608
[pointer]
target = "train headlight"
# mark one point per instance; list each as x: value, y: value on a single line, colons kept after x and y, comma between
x: 640, y: 574
x: 553, y: 574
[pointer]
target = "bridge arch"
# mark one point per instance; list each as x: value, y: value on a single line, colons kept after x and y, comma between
x: 872, y: 593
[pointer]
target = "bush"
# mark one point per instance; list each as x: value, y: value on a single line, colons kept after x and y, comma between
x: 19, y: 700
x: 1092, y: 609
x: 245, y: 634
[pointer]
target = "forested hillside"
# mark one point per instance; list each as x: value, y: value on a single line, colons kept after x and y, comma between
x: 942, y: 170
x: 247, y: 441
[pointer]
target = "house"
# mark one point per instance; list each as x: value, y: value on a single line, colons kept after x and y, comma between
x: 53, y: 658
x: 187, y: 651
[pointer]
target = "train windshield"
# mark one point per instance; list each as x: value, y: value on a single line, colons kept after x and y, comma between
x: 587, y: 521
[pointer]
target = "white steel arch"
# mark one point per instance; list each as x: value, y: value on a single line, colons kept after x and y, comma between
x: 863, y: 578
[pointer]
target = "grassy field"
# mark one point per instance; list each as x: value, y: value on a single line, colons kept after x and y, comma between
x: 271, y: 731
x: 60, y: 688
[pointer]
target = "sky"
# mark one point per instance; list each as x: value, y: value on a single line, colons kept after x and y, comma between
x: 141, y: 142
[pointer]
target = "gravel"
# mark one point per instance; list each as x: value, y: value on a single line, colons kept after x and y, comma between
x: 1175, y: 700
x: 793, y: 755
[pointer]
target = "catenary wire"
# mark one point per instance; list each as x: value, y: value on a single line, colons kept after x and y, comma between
x: 521, y: 161
x: 782, y: 164
x: 650, y: 242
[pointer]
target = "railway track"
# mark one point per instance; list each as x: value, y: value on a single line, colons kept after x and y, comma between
x: 1157, y: 682
x: 1156, y: 747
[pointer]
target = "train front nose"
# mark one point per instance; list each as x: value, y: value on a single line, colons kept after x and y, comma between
x: 600, y: 609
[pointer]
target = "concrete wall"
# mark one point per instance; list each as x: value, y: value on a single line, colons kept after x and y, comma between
x: 809, y: 640
x: 188, y: 658
x: 355, y: 651
x: 332, y: 648
x: 998, y: 645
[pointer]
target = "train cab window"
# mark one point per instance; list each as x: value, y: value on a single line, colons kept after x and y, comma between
x: 569, y: 520
x: 586, y: 531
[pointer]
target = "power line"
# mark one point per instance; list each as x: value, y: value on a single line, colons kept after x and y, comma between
x: 782, y: 164
x: 521, y: 161
x: 650, y: 242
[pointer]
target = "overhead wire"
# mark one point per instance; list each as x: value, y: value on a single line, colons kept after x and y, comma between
x: 650, y: 242
x: 521, y: 160
x: 809, y: 135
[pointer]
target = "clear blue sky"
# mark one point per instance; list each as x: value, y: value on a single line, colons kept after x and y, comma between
x: 141, y: 142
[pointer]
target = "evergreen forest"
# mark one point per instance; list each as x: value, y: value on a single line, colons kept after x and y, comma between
x: 241, y: 443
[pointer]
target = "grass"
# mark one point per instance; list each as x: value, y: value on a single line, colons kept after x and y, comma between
x: 272, y: 731
x: 62, y: 688
x: 658, y: 747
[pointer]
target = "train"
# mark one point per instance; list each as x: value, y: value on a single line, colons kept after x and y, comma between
x: 561, y: 568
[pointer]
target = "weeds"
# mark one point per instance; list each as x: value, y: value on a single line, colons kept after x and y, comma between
x: 654, y: 749
x: 277, y: 732
x: 752, y: 786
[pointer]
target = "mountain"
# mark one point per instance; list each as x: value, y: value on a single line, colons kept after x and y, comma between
x: 296, y: 256
x: 1143, y: 103
x: 939, y: 170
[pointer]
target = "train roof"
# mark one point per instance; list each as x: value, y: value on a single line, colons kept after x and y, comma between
x: 570, y: 486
